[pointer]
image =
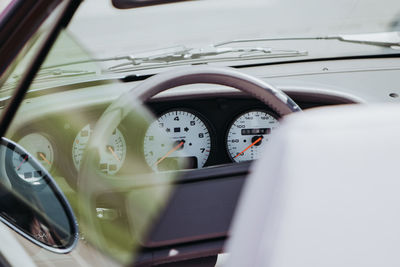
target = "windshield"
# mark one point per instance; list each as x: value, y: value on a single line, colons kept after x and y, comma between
x: 224, y: 32
x: 202, y: 23
x: 102, y: 40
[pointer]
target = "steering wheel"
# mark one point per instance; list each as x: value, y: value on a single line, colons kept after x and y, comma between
x: 274, y: 98
x: 132, y: 101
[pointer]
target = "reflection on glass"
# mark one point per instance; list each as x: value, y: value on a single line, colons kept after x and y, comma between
x: 29, y: 202
x: 94, y: 153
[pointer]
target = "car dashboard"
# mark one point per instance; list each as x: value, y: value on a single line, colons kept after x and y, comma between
x: 63, y: 121
x: 61, y: 136
x: 60, y: 118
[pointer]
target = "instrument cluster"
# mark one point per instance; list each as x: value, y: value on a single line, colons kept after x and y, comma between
x: 196, y: 133
x: 192, y: 142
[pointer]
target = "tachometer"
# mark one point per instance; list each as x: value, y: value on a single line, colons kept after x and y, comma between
x: 248, y: 134
x: 112, y: 155
x: 190, y: 141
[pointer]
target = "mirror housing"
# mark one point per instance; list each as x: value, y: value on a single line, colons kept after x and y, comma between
x: 31, y: 203
x: 125, y: 4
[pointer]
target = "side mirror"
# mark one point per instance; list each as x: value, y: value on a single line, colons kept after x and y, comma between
x: 31, y: 203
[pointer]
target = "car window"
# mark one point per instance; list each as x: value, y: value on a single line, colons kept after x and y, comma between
x: 199, y: 24
x: 30, y: 203
x: 10, y: 79
x: 106, y: 225
x: 103, y: 179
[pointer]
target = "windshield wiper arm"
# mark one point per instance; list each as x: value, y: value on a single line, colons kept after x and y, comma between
x: 384, y: 39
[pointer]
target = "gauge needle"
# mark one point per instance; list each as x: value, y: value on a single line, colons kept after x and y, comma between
x: 22, y: 162
x: 44, y: 158
x: 169, y: 152
x: 252, y: 144
x: 113, y: 153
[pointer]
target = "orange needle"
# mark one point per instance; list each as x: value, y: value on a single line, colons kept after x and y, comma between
x: 22, y: 162
x: 113, y: 153
x: 169, y: 152
x: 44, y: 158
x: 252, y: 144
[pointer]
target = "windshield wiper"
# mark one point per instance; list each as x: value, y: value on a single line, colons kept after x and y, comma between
x: 183, y: 55
x: 384, y: 39
x: 207, y: 55
x: 190, y: 55
x: 193, y: 53
x: 179, y: 55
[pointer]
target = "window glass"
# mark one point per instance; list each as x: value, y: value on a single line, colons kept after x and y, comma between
x: 79, y: 124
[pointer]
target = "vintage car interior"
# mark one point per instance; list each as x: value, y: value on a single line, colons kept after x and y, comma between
x: 192, y: 223
x: 153, y: 158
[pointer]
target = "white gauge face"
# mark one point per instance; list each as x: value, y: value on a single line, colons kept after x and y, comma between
x: 189, y: 142
x: 248, y: 135
x: 112, y: 155
x: 40, y: 147
x: 25, y: 170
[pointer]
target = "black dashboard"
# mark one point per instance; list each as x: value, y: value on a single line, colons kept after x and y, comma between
x: 218, y: 113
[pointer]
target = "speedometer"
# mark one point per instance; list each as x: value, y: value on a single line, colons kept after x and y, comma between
x: 248, y: 134
x: 190, y: 141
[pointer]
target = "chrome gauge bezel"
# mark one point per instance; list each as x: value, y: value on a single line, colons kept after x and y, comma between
x: 120, y: 157
x: 235, y: 118
x: 12, y: 168
x: 202, y: 118
x: 51, y: 143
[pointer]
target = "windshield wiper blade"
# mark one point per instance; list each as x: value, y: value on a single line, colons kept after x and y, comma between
x: 206, y: 55
x: 178, y: 55
x: 213, y: 53
x: 384, y: 39
x: 194, y: 55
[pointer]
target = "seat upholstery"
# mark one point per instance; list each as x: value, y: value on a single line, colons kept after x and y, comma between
x: 325, y: 193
